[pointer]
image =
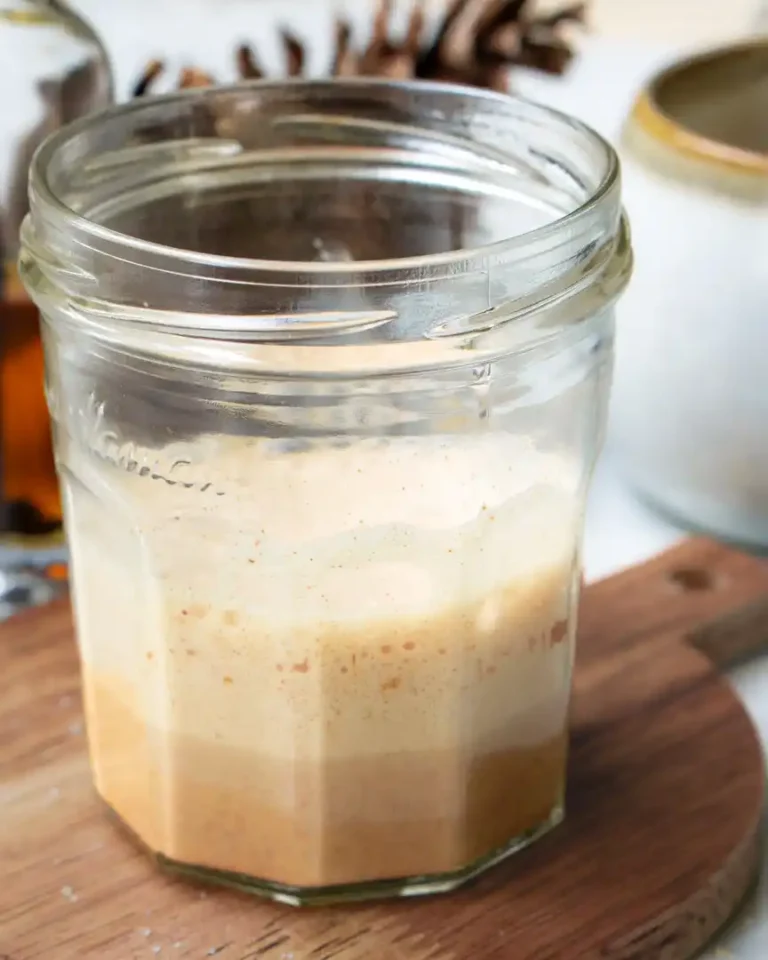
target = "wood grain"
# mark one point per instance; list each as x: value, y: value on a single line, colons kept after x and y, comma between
x: 658, y: 848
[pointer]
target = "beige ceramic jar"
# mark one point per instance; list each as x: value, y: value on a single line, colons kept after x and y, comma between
x: 690, y: 403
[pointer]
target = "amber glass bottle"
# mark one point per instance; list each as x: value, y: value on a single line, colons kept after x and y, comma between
x: 54, y: 66
x: 30, y: 496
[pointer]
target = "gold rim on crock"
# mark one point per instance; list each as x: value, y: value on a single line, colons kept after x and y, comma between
x: 649, y: 115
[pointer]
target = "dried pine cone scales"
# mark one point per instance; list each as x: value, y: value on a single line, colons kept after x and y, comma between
x: 476, y: 42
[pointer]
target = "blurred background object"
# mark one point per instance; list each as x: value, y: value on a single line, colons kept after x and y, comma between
x: 690, y: 404
x: 627, y: 38
x: 473, y: 43
x: 53, y: 69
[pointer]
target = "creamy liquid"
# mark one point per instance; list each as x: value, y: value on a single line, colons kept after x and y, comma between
x: 331, y: 665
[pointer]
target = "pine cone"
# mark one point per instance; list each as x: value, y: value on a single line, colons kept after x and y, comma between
x: 476, y: 43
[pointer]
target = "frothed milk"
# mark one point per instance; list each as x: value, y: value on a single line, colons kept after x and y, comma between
x: 329, y: 664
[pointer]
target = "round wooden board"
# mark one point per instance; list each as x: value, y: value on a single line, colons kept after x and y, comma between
x: 659, y: 845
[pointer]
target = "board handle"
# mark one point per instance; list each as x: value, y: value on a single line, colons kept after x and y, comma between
x: 739, y: 635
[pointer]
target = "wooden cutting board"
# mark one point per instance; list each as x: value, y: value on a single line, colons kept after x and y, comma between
x: 658, y: 849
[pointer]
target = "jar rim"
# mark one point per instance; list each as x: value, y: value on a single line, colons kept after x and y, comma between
x: 40, y: 185
x: 451, y: 308
x: 657, y: 115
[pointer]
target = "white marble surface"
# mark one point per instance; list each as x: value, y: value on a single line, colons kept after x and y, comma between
x: 620, y: 531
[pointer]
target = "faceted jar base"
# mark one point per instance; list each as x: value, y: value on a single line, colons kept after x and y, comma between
x: 356, y: 892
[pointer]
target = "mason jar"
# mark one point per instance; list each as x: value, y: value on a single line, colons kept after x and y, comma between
x: 328, y: 367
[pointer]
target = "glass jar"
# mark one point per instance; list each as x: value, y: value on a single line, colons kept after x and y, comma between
x: 328, y: 367
x: 53, y: 69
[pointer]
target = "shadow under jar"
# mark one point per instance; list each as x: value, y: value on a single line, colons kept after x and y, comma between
x: 328, y: 367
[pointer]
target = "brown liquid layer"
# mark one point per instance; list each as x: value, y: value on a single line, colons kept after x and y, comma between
x: 317, y: 822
